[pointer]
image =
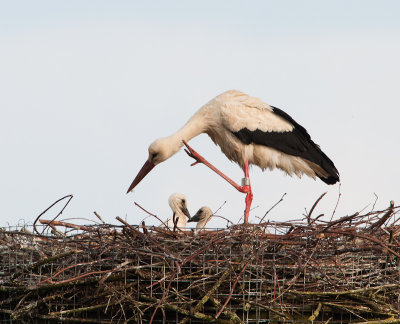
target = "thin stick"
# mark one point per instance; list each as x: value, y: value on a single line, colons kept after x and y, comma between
x: 224, y: 218
x: 59, y: 223
x: 162, y: 298
x: 151, y: 214
x: 207, y: 296
x: 99, y: 217
x: 376, y: 199
x: 313, y: 207
x: 233, y: 287
x: 337, y: 202
x: 220, y: 207
x: 272, y: 208
x: 53, y: 204
x: 383, y: 219
x: 145, y: 210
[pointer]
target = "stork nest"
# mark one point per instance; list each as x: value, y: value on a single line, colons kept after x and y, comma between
x: 308, y: 270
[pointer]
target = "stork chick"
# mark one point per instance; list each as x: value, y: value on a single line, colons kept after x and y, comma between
x: 202, y: 217
x: 178, y: 204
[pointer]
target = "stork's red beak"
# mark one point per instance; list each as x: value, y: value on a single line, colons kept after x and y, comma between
x: 146, y: 168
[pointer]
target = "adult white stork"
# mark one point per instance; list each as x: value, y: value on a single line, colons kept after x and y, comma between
x: 178, y: 204
x: 248, y: 131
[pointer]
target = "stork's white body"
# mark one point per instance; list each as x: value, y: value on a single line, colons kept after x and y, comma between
x: 233, y: 111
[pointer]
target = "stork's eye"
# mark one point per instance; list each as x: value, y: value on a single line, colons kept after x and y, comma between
x: 183, y: 201
x: 154, y: 156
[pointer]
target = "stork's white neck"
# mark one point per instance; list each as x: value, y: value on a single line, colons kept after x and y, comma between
x: 197, y: 124
x: 165, y: 147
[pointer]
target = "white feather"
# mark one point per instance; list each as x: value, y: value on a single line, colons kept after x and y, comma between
x: 175, y: 202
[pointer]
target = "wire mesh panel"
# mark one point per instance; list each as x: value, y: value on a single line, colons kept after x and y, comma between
x: 304, y: 271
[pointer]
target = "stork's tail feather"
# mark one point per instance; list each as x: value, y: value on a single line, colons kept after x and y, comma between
x: 324, y: 168
x: 331, y: 179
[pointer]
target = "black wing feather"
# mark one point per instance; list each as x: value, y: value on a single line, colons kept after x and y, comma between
x: 296, y: 142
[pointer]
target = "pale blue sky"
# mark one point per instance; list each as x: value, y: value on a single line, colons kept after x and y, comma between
x: 86, y: 86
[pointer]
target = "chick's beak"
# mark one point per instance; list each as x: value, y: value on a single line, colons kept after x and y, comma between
x: 146, y: 168
x: 185, y: 211
x: 196, y: 217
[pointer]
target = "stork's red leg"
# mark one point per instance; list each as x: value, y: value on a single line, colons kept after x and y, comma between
x: 249, y: 195
x: 245, y: 188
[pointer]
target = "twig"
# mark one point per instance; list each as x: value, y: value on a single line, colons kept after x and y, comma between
x: 163, y: 296
x: 383, y: 219
x: 376, y: 199
x: 345, y: 292
x: 233, y: 287
x: 179, y: 310
x: 219, y: 216
x: 209, y: 294
x: 99, y: 217
x: 313, y: 207
x: 220, y: 207
x: 42, y: 262
x: 130, y: 227
x: 315, y: 313
x: 53, y: 204
x: 151, y: 214
x: 231, y: 315
x: 337, y: 202
x: 59, y: 223
x: 272, y: 208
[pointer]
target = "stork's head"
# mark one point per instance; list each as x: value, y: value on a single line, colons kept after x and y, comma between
x: 159, y: 151
x: 162, y: 149
x: 203, y: 214
x: 178, y: 204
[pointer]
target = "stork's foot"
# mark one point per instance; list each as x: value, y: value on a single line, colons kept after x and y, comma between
x: 193, y: 154
x: 199, y: 159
